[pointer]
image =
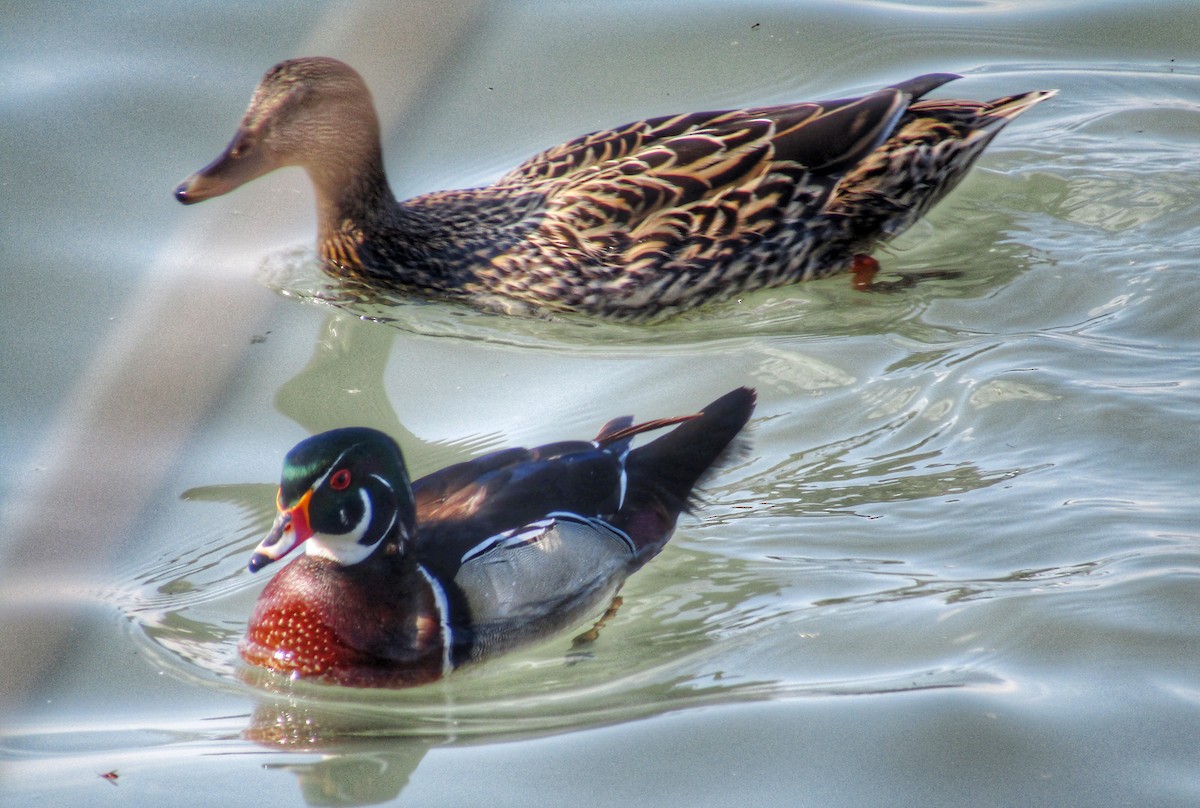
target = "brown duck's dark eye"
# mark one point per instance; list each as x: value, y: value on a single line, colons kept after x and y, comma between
x: 340, y: 480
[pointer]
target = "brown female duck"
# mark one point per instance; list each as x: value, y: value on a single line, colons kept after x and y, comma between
x: 631, y: 223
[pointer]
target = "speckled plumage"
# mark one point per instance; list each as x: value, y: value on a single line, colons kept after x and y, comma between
x: 632, y: 223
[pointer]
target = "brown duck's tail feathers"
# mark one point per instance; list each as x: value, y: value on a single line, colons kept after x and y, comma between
x: 979, y: 116
x: 1010, y: 106
x: 662, y: 475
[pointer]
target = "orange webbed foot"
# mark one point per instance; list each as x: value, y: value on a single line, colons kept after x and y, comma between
x: 864, y: 268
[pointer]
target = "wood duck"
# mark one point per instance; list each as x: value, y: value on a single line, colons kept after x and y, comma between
x: 401, y: 583
x: 632, y: 223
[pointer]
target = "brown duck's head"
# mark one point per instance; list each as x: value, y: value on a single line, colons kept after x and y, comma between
x: 313, y: 112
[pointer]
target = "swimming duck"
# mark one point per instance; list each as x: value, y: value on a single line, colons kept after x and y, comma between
x: 632, y: 223
x: 399, y: 584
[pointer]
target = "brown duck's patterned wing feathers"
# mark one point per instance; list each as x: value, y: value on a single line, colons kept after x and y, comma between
x: 685, y: 204
x: 836, y: 136
x: 584, y: 151
x: 616, y: 197
x: 601, y: 187
x: 732, y: 156
x: 736, y: 177
x: 600, y: 147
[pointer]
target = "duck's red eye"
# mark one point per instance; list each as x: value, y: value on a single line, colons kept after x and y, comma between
x: 340, y: 480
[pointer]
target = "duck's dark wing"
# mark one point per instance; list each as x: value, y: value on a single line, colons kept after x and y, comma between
x: 569, y: 511
x: 470, y: 503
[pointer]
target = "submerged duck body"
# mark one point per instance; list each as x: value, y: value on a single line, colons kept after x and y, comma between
x: 399, y: 584
x: 632, y: 223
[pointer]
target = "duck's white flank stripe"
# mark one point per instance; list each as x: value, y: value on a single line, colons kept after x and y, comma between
x: 509, y: 538
x: 534, y: 531
x: 443, y: 607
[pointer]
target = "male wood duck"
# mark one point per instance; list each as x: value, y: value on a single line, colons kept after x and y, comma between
x: 401, y: 583
x: 633, y: 223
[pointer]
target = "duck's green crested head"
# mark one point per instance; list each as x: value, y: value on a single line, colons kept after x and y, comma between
x: 344, y: 494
